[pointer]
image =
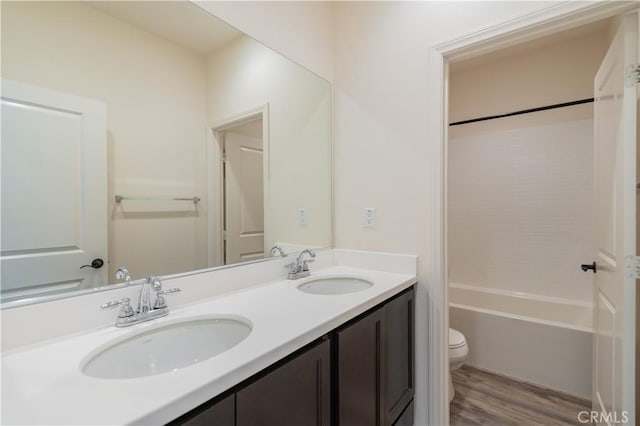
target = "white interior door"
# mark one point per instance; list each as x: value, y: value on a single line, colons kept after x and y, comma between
x: 615, y: 198
x: 54, y: 190
x: 244, y: 197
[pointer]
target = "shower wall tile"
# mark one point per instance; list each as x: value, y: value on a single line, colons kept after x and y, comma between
x: 521, y: 209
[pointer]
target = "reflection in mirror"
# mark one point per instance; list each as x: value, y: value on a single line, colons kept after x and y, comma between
x: 155, y: 137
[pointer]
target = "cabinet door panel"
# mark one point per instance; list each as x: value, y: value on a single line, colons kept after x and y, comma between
x: 295, y: 394
x: 359, y: 373
x: 398, y: 359
x: 222, y: 413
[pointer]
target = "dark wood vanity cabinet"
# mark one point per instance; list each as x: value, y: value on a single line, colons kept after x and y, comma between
x: 398, y: 356
x: 359, y: 374
x: 294, y: 394
x: 375, y: 364
x: 220, y: 412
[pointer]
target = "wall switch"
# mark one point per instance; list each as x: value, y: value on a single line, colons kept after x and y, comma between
x: 369, y: 217
x: 302, y: 216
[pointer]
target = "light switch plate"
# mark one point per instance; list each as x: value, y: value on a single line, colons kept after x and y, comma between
x: 302, y: 216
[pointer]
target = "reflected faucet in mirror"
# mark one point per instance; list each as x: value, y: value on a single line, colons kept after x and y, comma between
x: 123, y: 274
x: 277, y: 251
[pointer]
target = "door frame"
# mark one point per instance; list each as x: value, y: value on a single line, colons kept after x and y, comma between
x: 559, y: 17
x: 215, y: 180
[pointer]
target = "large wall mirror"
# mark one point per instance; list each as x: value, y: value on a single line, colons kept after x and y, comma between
x: 155, y: 137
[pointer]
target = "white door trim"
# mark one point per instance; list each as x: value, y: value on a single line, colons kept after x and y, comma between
x: 215, y: 201
x: 559, y: 17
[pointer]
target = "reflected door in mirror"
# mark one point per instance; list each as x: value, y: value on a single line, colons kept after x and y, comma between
x: 244, y: 192
x: 54, y: 190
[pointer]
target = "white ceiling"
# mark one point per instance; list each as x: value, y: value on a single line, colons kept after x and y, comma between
x: 182, y: 22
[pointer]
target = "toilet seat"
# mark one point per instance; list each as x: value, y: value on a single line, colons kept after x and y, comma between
x: 456, y: 339
x: 458, y: 349
x: 458, y: 352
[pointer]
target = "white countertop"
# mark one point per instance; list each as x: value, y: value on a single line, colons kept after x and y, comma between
x: 42, y: 384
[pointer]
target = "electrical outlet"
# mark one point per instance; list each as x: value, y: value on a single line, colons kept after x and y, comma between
x: 302, y: 216
x: 369, y: 217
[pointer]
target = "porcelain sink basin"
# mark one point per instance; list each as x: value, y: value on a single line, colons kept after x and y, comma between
x: 335, y: 285
x: 169, y: 347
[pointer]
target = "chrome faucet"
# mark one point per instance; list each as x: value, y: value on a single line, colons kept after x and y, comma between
x: 144, y: 301
x: 145, y: 312
x: 277, y: 249
x: 300, y: 268
x: 123, y: 274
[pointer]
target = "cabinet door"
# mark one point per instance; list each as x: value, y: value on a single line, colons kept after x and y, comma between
x: 221, y: 413
x: 295, y: 394
x: 398, y: 355
x: 359, y: 374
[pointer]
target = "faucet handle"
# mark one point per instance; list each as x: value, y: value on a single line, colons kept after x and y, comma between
x: 160, y: 302
x: 125, y: 311
x: 169, y: 291
x: 156, y: 284
x: 290, y: 266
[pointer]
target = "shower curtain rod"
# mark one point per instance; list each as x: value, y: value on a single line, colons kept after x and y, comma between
x: 524, y: 111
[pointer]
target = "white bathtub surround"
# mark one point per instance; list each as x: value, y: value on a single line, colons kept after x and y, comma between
x: 521, y: 209
x: 555, y: 311
x: 545, y: 341
x: 46, y: 375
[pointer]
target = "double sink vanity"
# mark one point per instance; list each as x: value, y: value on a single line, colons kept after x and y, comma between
x: 240, y: 346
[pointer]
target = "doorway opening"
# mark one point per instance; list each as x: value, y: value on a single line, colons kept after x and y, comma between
x: 520, y: 213
x: 520, y: 193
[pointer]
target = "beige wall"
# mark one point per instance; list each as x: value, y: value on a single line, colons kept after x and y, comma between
x: 382, y: 140
x: 155, y: 93
x: 244, y: 75
x: 300, y: 30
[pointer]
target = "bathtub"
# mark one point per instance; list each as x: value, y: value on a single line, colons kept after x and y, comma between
x: 541, y: 340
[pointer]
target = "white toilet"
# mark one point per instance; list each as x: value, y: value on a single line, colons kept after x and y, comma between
x: 458, y: 352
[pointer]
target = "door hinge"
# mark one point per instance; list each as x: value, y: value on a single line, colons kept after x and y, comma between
x: 224, y: 235
x: 632, y: 76
x: 224, y: 157
x: 633, y: 267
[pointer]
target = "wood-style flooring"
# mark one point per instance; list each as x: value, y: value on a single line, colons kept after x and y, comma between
x: 484, y: 398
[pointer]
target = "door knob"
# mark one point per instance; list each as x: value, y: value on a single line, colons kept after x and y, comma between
x: 95, y: 264
x: 592, y: 266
